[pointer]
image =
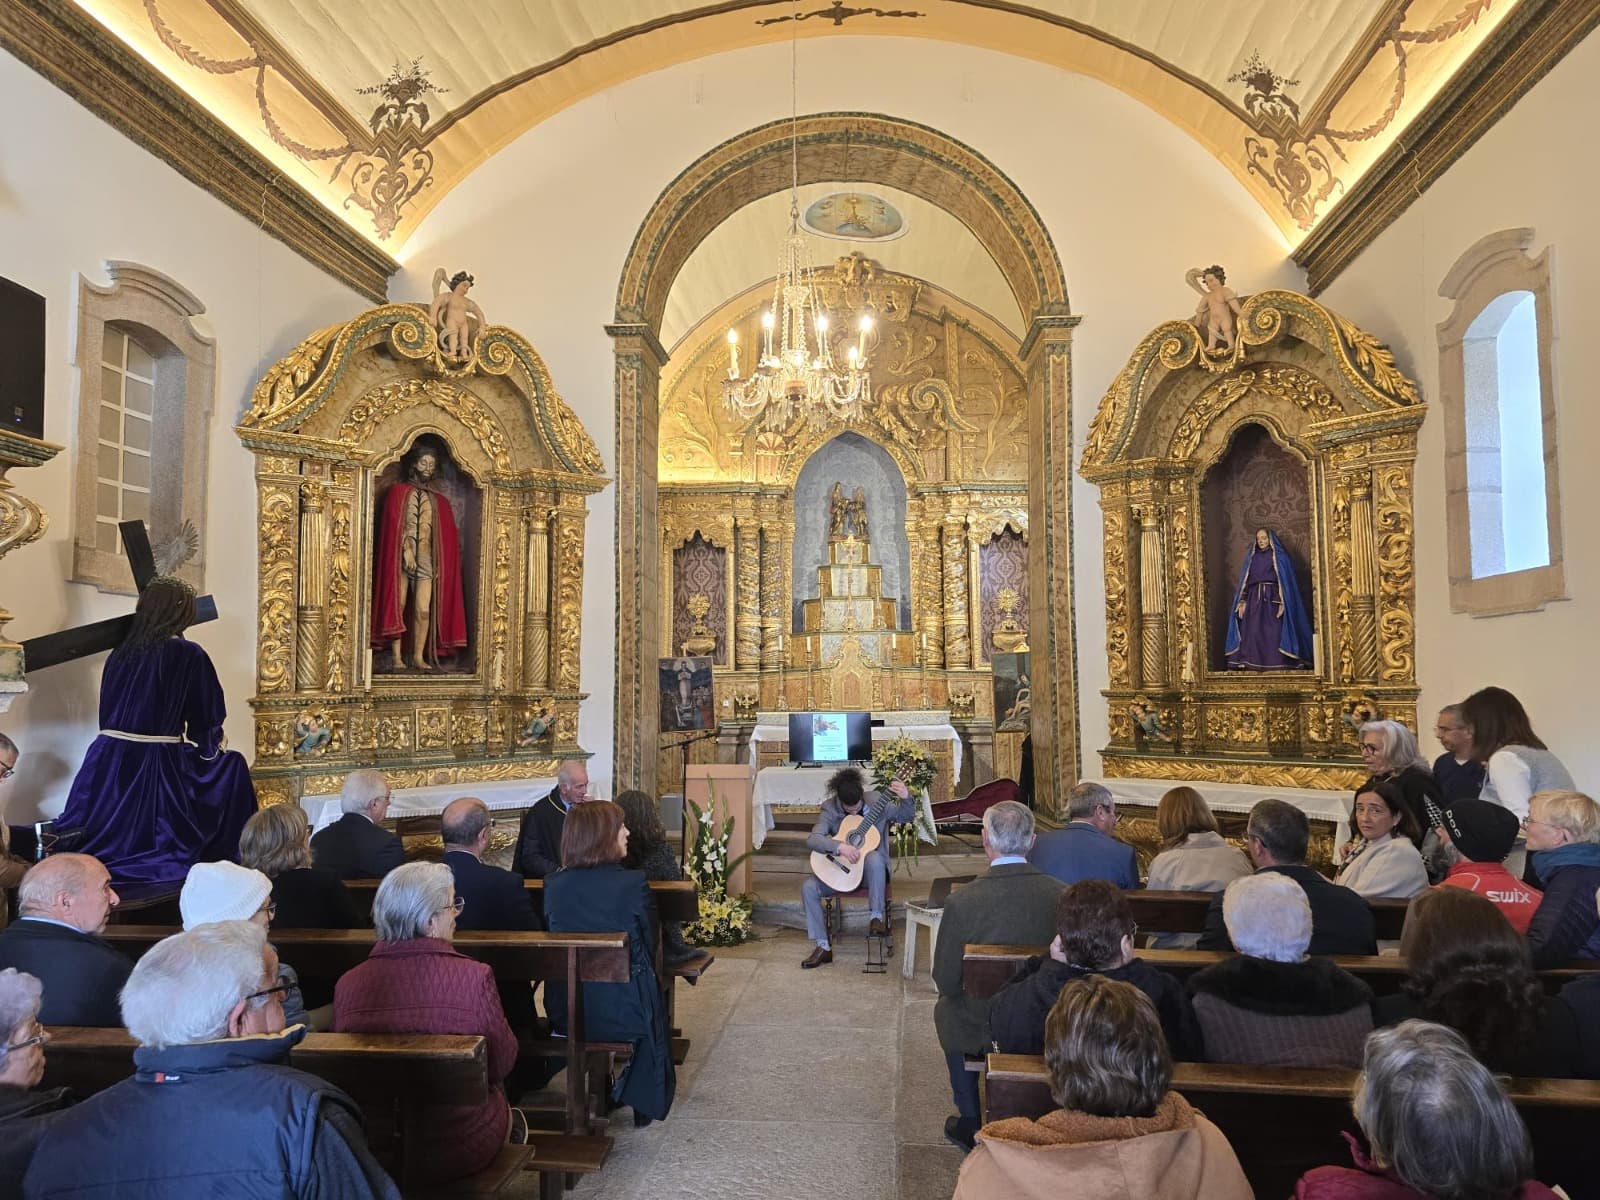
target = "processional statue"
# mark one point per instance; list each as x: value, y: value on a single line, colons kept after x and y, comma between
x: 1268, y: 629
x: 847, y: 516
x: 418, y: 607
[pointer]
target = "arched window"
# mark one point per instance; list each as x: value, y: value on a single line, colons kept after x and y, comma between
x: 1502, y: 502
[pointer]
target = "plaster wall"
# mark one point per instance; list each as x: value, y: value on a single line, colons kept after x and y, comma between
x: 1129, y: 200
x: 74, y: 193
x: 1523, y: 172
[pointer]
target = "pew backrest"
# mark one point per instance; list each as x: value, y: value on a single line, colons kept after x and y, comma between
x: 1185, y: 912
x: 676, y: 900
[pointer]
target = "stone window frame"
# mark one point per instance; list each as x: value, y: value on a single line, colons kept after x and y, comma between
x: 159, y: 313
x: 1493, y: 266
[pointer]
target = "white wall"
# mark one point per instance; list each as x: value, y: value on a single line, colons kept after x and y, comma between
x: 1129, y: 201
x: 74, y: 193
x: 1526, y: 171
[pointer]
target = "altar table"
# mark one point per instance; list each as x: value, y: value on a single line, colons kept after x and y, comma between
x: 499, y: 795
x: 806, y: 787
x: 769, y: 741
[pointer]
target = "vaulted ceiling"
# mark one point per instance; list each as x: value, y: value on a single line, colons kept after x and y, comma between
x: 1297, y: 97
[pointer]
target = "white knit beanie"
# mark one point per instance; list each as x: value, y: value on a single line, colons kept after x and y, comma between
x: 222, y: 891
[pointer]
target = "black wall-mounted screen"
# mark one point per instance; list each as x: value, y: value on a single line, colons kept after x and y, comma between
x: 836, y: 737
x: 21, y: 359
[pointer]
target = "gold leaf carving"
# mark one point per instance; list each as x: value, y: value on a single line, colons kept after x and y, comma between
x: 339, y: 596
x: 1396, y: 582
x: 390, y: 398
x: 274, y: 639
x: 433, y: 728
x: 1117, y: 623
x: 1375, y: 361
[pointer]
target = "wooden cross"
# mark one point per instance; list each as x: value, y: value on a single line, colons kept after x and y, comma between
x: 55, y: 648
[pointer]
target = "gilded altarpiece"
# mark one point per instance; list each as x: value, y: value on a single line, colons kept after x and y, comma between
x: 949, y: 408
x: 325, y: 424
x: 1337, y: 409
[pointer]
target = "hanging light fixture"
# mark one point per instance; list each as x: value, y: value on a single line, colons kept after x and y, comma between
x: 787, y: 373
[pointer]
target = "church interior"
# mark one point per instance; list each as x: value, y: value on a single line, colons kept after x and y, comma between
x: 1150, y: 395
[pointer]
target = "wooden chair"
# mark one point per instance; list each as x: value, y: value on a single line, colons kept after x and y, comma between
x: 878, y: 949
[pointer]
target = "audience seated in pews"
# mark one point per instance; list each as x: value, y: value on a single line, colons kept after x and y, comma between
x: 1391, y: 755
x: 1474, y: 838
x: 1012, y: 901
x: 1278, y: 835
x: 1270, y: 1005
x: 1467, y: 968
x: 1382, y: 862
x: 213, y: 1107
x: 414, y: 981
x: 594, y: 893
x: 357, y: 846
x: 539, y: 836
x: 224, y: 891
x: 1084, y: 847
x: 1120, y: 1133
x: 1094, y: 936
x: 1517, y: 763
x: 25, y: 1111
x: 1194, y: 857
x: 1458, y: 774
x: 1564, y: 843
x: 1438, y: 1124
x: 62, y: 906
x: 649, y: 852
x: 277, y: 842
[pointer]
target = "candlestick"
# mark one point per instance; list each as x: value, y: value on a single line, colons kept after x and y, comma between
x: 733, y: 354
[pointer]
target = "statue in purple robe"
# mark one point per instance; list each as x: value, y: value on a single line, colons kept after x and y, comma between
x: 1268, y: 629
x: 158, y: 790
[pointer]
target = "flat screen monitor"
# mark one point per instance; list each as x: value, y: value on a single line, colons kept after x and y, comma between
x: 836, y: 737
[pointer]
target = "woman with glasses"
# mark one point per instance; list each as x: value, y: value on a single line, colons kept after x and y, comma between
x: 1564, y: 846
x: 414, y: 981
x: 224, y: 891
x: 24, y: 1111
x: 1382, y: 862
x: 1390, y: 753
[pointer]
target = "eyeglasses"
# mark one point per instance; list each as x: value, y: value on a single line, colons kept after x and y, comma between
x: 455, y: 906
x: 269, y: 908
x: 280, y: 991
x: 37, y: 1039
x: 7, y: 772
x: 1369, y: 748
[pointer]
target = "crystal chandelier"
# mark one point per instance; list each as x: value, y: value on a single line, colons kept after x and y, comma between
x: 787, y: 372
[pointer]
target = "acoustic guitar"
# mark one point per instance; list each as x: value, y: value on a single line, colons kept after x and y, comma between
x: 860, y: 831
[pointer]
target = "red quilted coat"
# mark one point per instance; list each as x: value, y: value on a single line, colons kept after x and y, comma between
x: 1367, y: 1181
x: 424, y: 985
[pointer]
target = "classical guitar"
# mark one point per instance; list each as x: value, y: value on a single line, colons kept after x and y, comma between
x: 860, y: 831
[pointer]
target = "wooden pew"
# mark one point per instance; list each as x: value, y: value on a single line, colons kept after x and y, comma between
x: 1185, y: 912
x: 676, y: 900
x: 1282, y: 1121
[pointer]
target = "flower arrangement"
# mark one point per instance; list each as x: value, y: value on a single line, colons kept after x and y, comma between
x: 724, y: 920
x: 907, y: 761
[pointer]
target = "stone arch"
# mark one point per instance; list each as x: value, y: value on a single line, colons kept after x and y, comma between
x: 865, y: 148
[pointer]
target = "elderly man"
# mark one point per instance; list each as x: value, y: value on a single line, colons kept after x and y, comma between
x: 213, y: 1107
x: 1012, y: 901
x: 1278, y: 835
x: 1458, y: 774
x: 62, y: 906
x: 539, y: 838
x: 357, y: 846
x: 1084, y: 848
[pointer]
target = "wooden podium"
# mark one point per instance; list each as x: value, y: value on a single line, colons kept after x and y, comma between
x: 725, y: 787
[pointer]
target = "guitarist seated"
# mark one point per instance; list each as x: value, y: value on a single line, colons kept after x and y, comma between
x: 848, y: 798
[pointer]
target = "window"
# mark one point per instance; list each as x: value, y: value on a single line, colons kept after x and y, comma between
x: 1502, y: 498
x: 127, y: 402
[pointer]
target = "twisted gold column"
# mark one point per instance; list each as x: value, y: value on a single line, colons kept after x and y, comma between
x: 311, y: 611
x: 1152, y: 597
x: 536, y: 625
x: 957, y: 636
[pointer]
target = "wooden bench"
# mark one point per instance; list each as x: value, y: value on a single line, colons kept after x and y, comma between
x: 1282, y: 1121
x: 1185, y: 912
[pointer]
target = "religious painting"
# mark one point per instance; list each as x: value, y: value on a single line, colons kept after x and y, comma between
x: 425, y: 551
x: 854, y: 216
x: 686, y: 694
x: 1013, y: 693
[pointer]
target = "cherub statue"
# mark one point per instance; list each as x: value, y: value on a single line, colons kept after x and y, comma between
x: 1148, y: 719
x: 452, y: 313
x: 1218, y: 306
x: 538, y: 724
x: 311, y: 733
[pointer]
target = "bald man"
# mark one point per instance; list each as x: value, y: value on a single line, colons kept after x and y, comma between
x: 496, y: 898
x: 539, y: 838
x: 62, y: 906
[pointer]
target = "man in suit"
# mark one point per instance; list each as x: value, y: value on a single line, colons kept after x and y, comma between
x: 1011, y: 902
x: 539, y: 837
x: 1278, y: 834
x: 848, y: 797
x: 357, y: 846
x: 1084, y: 848
x: 62, y: 906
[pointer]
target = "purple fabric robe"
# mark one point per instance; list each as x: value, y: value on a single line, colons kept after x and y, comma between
x: 1261, y: 628
x: 150, y: 810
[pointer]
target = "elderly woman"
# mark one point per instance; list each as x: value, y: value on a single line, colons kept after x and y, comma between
x: 1438, y: 1123
x: 1564, y: 843
x: 277, y: 842
x: 1391, y: 755
x: 225, y: 891
x: 414, y: 981
x: 649, y: 852
x: 1269, y: 1005
x: 1467, y: 968
x: 1120, y: 1133
x: 1383, y: 862
x: 24, y: 1112
x: 594, y: 893
x: 1193, y: 857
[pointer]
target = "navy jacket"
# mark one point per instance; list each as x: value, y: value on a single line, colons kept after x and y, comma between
x: 539, y: 837
x: 496, y: 899
x: 311, y: 898
x: 1458, y: 780
x: 82, y: 974
x: 1079, y: 851
x: 354, y: 848
x: 1017, y: 1014
x: 1341, y: 921
x: 224, y: 1118
x: 1566, y: 924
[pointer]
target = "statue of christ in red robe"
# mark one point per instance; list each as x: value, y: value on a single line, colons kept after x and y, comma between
x: 418, y: 611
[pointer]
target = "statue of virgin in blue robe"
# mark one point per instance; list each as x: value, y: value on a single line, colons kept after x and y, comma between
x: 158, y: 792
x: 1268, y: 629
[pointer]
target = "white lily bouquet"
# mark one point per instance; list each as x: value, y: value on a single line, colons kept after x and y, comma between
x: 909, y: 762
x: 724, y: 920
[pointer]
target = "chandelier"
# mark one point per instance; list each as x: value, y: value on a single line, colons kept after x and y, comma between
x: 788, y: 373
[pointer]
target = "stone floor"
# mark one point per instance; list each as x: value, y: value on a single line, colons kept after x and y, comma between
x: 796, y: 1082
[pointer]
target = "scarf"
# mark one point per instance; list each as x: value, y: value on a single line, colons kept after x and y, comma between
x: 1575, y: 854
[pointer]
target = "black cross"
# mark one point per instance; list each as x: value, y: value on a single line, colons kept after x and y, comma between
x: 55, y: 648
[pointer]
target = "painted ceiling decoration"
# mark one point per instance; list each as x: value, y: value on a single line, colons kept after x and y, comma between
x: 1299, y: 98
x: 854, y: 217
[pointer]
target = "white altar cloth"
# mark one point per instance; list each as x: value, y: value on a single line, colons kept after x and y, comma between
x: 805, y: 787
x: 1236, y: 797
x: 430, y: 801
x: 886, y: 732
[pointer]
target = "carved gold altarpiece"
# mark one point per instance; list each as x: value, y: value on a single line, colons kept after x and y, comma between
x: 323, y: 424
x: 1330, y: 395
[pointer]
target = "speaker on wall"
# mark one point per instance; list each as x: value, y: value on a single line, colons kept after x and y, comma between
x: 21, y: 359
